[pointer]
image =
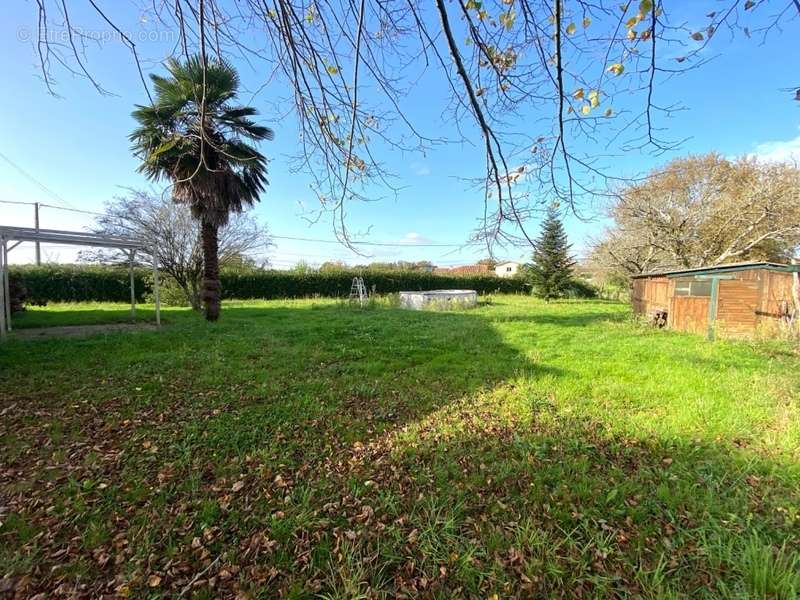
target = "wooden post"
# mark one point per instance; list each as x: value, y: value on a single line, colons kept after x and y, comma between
x: 133, y: 289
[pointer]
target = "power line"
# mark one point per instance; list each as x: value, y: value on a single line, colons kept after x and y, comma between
x: 42, y: 205
x: 35, y: 181
x: 77, y: 210
x: 367, y: 243
x: 20, y: 203
x: 276, y: 237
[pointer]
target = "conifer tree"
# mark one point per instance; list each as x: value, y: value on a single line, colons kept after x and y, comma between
x: 550, y: 273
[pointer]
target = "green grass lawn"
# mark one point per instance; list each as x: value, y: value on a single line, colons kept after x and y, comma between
x: 84, y: 313
x: 308, y: 449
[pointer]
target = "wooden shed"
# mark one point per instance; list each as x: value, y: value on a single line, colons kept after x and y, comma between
x: 734, y: 300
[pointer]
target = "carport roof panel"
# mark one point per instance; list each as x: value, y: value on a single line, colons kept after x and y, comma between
x: 77, y: 238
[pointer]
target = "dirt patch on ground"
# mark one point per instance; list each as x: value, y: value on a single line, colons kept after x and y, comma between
x: 81, y: 330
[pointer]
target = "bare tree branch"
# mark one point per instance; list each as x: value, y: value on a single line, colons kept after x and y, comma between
x: 539, y: 85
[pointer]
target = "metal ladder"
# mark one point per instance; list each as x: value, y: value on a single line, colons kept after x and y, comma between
x: 358, y: 291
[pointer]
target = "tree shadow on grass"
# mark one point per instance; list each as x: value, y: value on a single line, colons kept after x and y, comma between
x: 363, y: 370
x: 556, y: 505
x: 159, y: 426
x: 67, y: 316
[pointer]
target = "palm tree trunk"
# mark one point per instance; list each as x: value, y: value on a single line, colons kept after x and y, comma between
x: 211, y: 287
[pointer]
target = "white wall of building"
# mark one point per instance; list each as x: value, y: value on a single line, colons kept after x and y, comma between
x: 507, y: 269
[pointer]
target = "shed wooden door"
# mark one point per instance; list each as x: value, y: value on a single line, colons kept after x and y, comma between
x: 738, y: 303
x: 689, y: 313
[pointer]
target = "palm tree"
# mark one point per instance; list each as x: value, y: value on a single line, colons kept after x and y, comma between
x: 194, y: 136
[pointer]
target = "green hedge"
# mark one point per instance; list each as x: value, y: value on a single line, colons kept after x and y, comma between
x: 77, y: 283
x: 580, y: 288
x: 288, y: 284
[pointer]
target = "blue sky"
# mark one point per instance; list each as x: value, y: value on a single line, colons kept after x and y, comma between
x: 77, y: 147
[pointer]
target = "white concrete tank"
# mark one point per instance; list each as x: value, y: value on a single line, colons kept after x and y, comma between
x: 439, y: 299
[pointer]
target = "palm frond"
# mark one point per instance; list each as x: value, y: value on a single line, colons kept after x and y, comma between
x: 212, y: 162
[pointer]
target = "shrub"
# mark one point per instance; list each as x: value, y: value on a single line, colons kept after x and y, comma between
x: 169, y: 292
x: 18, y: 293
x: 78, y: 283
x: 613, y: 291
x: 579, y: 288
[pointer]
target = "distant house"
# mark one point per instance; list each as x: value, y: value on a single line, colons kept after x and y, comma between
x: 506, y: 269
x: 736, y: 300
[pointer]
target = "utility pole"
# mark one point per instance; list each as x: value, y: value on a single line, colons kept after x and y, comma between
x: 36, y: 224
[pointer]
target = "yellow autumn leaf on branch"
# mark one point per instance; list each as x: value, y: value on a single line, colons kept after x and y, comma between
x: 617, y: 69
x: 571, y: 28
x: 578, y: 94
x: 586, y: 22
x: 586, y: 109
x: 507, y: 19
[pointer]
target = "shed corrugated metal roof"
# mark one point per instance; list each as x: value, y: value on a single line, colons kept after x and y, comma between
x: 726, y: 268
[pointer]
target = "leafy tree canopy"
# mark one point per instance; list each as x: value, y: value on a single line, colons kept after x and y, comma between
x: 702, y: 210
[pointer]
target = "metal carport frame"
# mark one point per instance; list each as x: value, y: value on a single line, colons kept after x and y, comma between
x: 17, y: 235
